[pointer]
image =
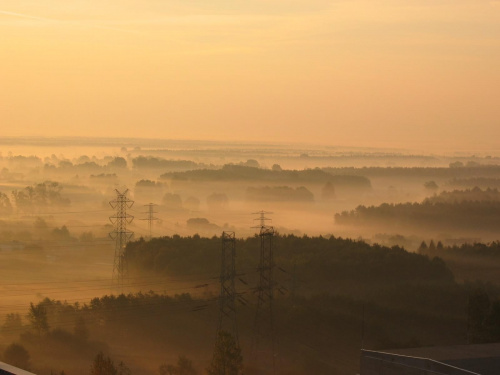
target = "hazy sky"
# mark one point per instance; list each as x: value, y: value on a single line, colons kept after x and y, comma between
x: 353, y: 72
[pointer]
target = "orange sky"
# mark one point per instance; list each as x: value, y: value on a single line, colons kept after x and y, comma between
x: 345, y: 72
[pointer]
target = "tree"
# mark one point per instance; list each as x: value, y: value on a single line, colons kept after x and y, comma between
x: 478, y: 310
x: 432, y: 246
x: 227, y: 357
x: 17, y: 355
x: 118, y: 162
x: 103, y: 366
x: 423, y: 246
x: 431, y: 185
x: 13, y: 323
x: 39, y: 196
x: 123, y: 369
x: 80, y: 329
x: 37, y: 316
x: 184, y: 367
x: 5, y: 205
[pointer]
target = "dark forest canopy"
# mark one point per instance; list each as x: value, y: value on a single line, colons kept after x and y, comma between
x: 243, y: 173
x: 469, y: 209
x: 316, y: 258
x: 473, y: 250
x: 469, y: 195
x: 323, y: 288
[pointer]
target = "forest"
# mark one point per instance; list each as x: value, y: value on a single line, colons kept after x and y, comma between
x: 470, y: 210
x: 326, y: 289
x: 375, y: 249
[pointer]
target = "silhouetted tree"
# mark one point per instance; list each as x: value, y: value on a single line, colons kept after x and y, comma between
x: 431, y: 185
x: 80, y: 329
x: 5, y: 205
x: 17, y: 355
x: 227, y: 357
x: 184, y: 367
x: 38, y: 196
x: 118, y: 162
x: 37, y: 316
x: 103, y: 365
x: 13, y: 323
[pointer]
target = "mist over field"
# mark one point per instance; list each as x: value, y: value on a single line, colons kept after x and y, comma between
x: 355, y: 230
x: 256, y: 187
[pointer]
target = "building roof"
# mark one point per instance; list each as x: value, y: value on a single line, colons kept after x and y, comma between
x: 6, y: 369
x: 483, y: 359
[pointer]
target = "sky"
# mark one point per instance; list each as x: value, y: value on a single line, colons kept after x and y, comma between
x: 382, y: 73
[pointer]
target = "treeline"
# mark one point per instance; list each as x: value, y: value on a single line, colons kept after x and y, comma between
x: 319, y: 259
x: 469, y: 195
x: 324, y: 288
x: 34, y: 197
x: 454, y: 171
x: 61, y: 336
x: 474, y: 209
x: 279, y: 194
x: 150, y: 162
x: 481, y: 182
x: 87, y: 165
x: 231, y: 172
x: 473, y: 250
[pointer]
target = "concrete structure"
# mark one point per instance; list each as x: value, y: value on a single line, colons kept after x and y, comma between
x: 483, y: 359
x: 6, y: 369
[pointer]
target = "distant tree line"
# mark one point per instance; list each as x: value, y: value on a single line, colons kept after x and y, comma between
x: 474, y: 209
x: 457, y: 171
x: 279, y: 194
x: 231, y: 172
x: 473, y: 250
x: 151, y: 162
x: 321, y: 259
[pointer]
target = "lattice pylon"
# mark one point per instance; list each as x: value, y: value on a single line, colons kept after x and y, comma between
x: 121, y: 235
x: 264, y: 316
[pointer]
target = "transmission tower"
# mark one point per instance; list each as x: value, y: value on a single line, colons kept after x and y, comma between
x: 120, y: 234
x: 227, y: 299
x: 150, y: 217
x: 264, y: 317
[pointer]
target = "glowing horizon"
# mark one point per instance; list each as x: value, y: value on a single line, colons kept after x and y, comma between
x: 390, y: 73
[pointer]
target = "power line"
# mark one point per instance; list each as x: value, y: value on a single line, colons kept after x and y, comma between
x: 120, y: 234
x: 264, y: 316
x: 150, y: 217
x: 227, y: 297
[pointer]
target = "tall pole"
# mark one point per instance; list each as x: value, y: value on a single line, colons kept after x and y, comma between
x: 227, y: 298
x: 150, y: 218
x: 120, y: 234
x: 264, y: 317
x: 227, y: 302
